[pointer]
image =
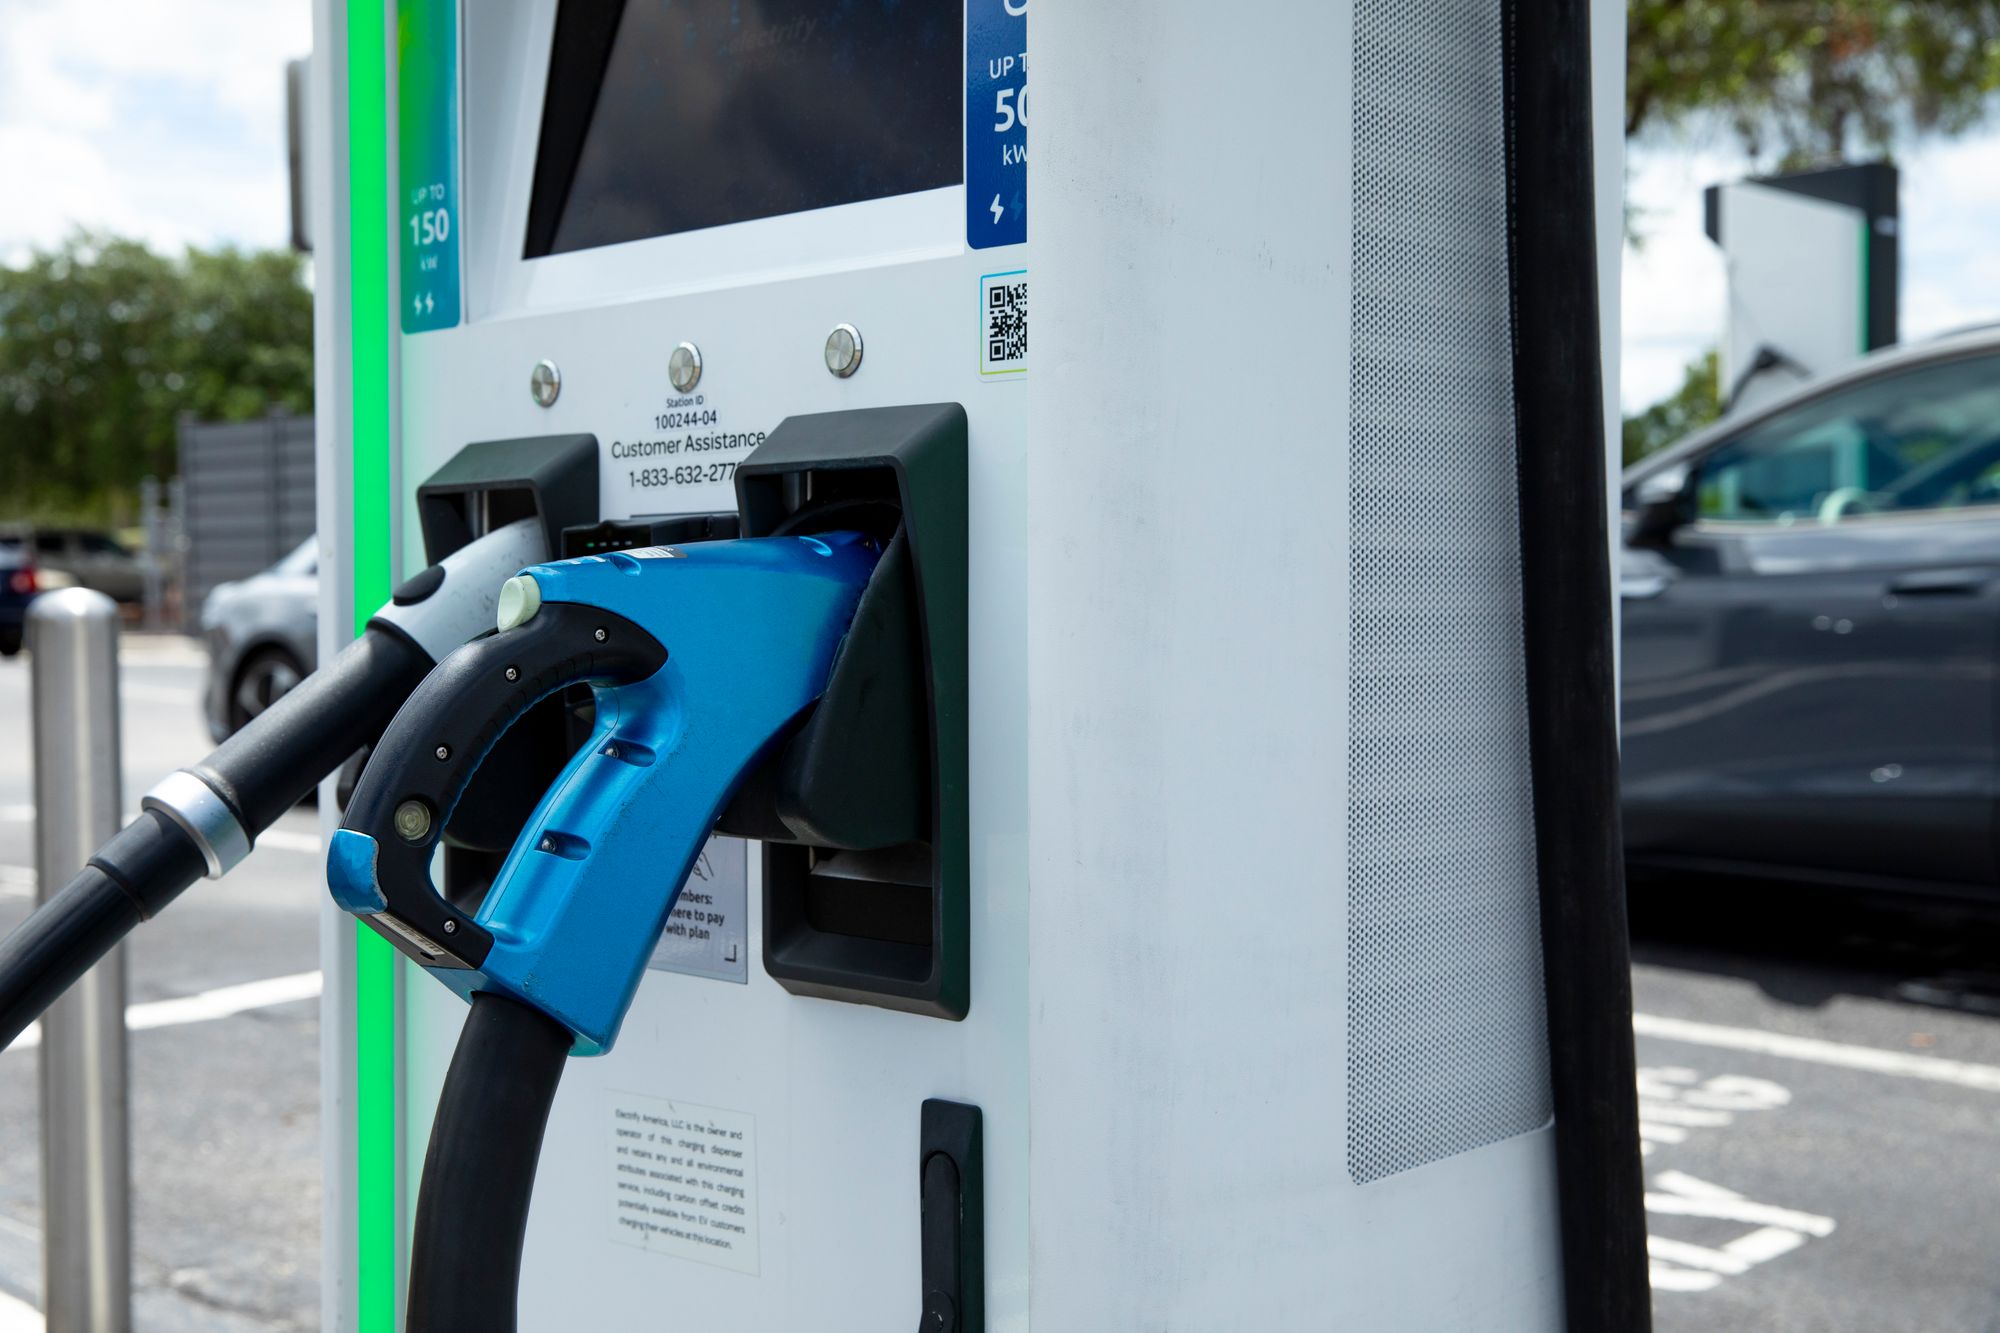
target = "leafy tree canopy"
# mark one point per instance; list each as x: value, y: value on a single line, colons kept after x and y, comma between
x: 1801, y: 83
x: 1687, y: 409
x: 103, y: 343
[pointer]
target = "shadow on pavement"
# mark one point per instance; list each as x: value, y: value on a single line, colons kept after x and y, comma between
x: 1808, y: 944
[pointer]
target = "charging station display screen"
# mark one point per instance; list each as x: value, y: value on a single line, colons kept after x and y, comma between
x: 669, y: 116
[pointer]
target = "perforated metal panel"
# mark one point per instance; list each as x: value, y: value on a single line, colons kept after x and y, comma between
x: 1447, y: 1047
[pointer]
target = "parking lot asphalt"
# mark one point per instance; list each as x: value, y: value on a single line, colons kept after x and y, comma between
x: 1819, y: 1091
x: 1820, y: 1103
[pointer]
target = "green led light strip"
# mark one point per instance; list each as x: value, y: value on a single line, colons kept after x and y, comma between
x: 369, y: 329
x: 1866, y: 264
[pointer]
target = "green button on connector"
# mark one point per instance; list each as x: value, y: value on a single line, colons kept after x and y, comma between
x: 520, y: 598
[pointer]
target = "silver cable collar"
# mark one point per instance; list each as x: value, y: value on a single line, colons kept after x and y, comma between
x: 205, y: 817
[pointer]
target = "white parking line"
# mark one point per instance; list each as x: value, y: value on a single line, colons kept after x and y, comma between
x: 1678, y: 1194
x: 152, y: 651
x: 285, y: 840
x: 1869, y: 1059
x: 154, y: 694
x: 222, y: 1002
x: 17, y: 1316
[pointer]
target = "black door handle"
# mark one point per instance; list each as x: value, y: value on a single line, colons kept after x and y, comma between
x: 949, y: 1171
x: 942, y: 1236
x: 1940, y: 583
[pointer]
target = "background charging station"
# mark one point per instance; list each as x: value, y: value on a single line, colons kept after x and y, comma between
x: 1256, y: 993
x: 1813, y: 274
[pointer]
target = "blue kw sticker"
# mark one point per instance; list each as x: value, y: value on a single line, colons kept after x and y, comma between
x: 996, y: 123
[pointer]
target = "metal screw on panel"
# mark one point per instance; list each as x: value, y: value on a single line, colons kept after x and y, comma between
x: 450, y: 926
x: 443, y: 752
x: 600, y: 636
x: 684, y: 367
x: 545, y: 382
x: 548, y: 844
x: 513, y: 673
x: 843, y: 350
x: 611, y: 752
x: 413, y: 821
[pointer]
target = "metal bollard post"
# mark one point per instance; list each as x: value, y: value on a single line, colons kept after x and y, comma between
x: 86, y: 1196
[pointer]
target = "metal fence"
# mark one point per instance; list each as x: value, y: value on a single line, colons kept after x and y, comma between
x: 248, y: 499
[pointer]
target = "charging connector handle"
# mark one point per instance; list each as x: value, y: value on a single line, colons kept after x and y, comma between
x: 380, y: 860
x: 699, y: 657
x: 552, y: 958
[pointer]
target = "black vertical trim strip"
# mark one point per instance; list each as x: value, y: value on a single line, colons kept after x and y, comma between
x: 578, y: 54
x: 1566, y: 621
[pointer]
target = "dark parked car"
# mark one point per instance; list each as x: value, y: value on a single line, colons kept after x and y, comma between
x: 19, y: 585
x: 262, y: 635
x: 1811, y: 607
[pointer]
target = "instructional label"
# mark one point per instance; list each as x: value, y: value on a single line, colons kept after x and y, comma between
x: 996, y: 123
x: 680, y: 460
x: 684, y: 1180
x: 427, y: 161
x: 708, y: 934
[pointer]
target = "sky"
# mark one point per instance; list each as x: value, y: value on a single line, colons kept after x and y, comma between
x: 164, y: 119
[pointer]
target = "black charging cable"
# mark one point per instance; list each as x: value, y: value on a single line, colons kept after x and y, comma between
x: 256, y: 775
x: 479, y: 1171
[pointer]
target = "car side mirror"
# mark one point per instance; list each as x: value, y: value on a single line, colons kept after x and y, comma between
x: 1663, y: 504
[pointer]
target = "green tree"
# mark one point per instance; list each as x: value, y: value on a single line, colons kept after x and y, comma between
x: 1687, y: 409
x: 103, y: 343
x: 1805, y: 82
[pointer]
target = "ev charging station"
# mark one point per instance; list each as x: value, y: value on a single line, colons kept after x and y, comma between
x: 1812, y: 261
x: 1253, y: 956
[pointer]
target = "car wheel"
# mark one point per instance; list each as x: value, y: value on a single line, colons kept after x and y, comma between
x: 10, y: 640
x: 263, y: 679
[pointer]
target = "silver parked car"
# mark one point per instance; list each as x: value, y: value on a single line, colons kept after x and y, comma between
x: 262, y: 635
x: 84, y: 557
x: 1811, y: 631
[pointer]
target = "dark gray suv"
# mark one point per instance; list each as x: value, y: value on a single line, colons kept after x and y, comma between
x: 1811, y: 626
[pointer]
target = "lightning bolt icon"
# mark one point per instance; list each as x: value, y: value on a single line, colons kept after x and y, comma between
x: 997, y: 209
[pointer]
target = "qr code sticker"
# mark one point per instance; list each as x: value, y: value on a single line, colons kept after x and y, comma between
x: 1003, y: 308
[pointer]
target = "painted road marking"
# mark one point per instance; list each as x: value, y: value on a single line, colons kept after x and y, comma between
x: 17, y: 1316
x: 285, y: 840
x: 155, y: 694
x: 1839, y: 1055
x: 150, y: 651
x: 1681, y: 1195
x: 1675, y: 1102
x: 1678, y: 1265
x: 222, y: 1002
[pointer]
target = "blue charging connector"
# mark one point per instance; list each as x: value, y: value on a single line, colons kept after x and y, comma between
x: 699, y: 657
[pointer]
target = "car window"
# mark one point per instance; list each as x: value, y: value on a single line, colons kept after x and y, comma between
x: 49, y: 543
x: 96, y: 543
x: 1924, y: 439
x: 302, y: 561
